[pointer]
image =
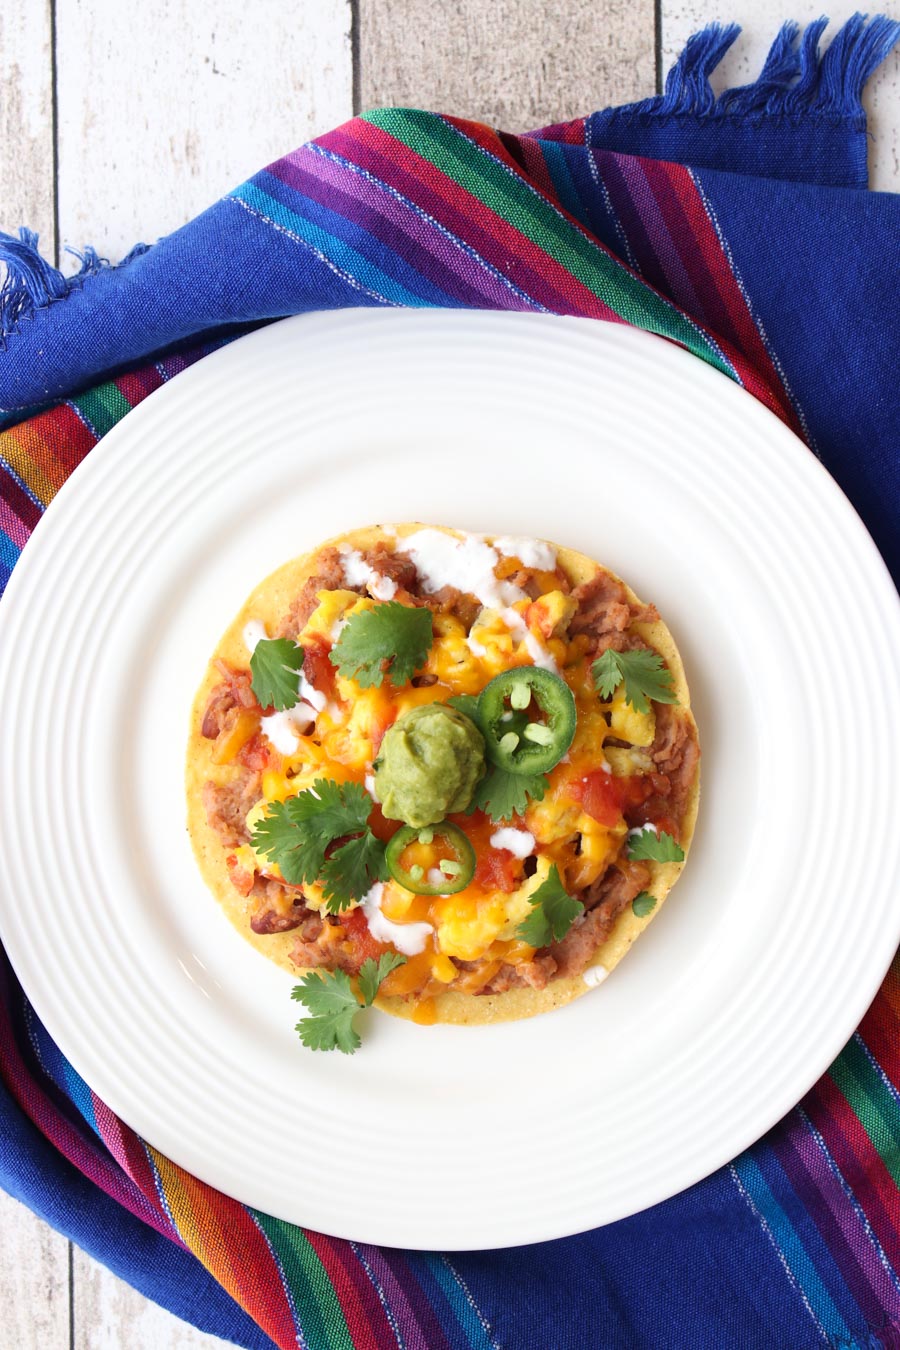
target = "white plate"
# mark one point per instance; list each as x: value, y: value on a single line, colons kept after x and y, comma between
x: 768, y: 951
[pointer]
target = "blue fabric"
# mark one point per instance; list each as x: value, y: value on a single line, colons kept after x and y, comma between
x: 783, y: 164
x: 682, y: 1292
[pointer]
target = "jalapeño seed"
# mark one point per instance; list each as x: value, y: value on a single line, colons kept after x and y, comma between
x: 519, y: 696
x: 538, y: 733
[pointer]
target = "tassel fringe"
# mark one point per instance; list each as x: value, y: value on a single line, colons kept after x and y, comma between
x: 30, y: 282
x: 795, y: 79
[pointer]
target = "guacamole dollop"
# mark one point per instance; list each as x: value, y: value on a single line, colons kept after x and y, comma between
x: 428, y: 765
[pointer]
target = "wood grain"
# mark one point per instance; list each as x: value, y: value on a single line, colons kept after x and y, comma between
x: 166, y: 105
x: 34, y: 1281
x: 26, y: 119
x: 516, y: 64
x: 881, y: 97
x: 110, y: 1315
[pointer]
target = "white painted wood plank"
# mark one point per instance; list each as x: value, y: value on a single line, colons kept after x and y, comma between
x: 166, y: 105
x: 516, y: 64
x: 761, y: 22
x: 26, y: 119
x: 34, y: 1281
x: 110, y: 1315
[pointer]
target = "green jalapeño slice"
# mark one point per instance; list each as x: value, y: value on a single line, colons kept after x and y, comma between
x: 437, y: 860
x: 527, y: 717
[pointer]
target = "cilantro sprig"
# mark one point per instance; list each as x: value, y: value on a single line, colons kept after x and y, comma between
x: 644, y: 674
x: 500, y: 794
x: 298, y: 834
x: 275, y: 672
x: 652, y: 845
x: 390, y: 639
x: 643, y: 904
x: 553, y: 915
x: 333, y: 1003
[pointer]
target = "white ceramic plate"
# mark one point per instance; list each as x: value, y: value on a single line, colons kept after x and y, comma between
x: 767, y: 952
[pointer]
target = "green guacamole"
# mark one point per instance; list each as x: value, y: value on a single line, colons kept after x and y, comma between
x: 429, y: 763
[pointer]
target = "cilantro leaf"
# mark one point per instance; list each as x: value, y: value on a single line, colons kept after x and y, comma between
x: 333, y: 808
x: 391, y: 632
x: 553, y: 915
x: 298, y: 833
x: 298, y: 851
x: 352, y: 870
x: 654, y: 846
x: 502, y: 795
x: 275, y: 672
x: 333, y: 1004
x: 467, y: 704
x: 644, y: 674
x: 643, y: 904
x: 372, y: 974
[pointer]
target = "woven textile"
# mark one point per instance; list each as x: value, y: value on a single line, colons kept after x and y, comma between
x: 739, y: 227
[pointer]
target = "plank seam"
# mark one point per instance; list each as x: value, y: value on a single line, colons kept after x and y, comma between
x: 355, y: 68
x: 54, y: 137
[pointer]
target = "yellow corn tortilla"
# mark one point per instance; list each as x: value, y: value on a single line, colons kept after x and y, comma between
x: 268, y: 603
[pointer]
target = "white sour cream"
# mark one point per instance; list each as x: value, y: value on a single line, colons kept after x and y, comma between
x: 467, y: 563
x: 357, y: 572
x: 310, y: 694
x: 594, y: 975
x: 280, y: 727
x: 369, y: 784
x: 532, y: 552
x: 642, y: 829
x: 534, y: 647
x: 253, y: 632
x: 408, y: 938
x: 518, y: 842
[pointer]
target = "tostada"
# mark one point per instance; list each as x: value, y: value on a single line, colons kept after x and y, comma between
x: 455, y: 774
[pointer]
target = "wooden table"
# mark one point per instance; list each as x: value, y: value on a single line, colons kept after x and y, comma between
x: 120, y: 122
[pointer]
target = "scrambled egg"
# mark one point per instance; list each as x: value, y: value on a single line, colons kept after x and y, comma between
x: 475, y: 923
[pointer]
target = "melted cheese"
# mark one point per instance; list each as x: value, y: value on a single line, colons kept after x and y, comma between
x: 511, y: 629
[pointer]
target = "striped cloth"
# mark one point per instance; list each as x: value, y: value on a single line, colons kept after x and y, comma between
x: 771, y: 262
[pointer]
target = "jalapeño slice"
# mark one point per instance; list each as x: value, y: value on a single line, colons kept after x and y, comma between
x: 443, y: 876
x: 527, y: 716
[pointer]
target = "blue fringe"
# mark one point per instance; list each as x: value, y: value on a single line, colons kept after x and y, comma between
x: 31, y: 282
x: 793, y: 79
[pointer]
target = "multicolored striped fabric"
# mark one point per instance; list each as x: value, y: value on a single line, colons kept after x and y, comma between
x: 797, y: 1243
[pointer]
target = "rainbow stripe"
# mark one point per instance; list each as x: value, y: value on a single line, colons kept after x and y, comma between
x: 410, y: 208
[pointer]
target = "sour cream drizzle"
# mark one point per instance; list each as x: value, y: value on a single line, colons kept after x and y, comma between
x: 279, y: 727
x: 468, y: 564
x: 518, y: 842
x: 357, y: 572
x: 531, y: 552
x: 254, y: 632
x: 408, y: 938
x: 594, y: 975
